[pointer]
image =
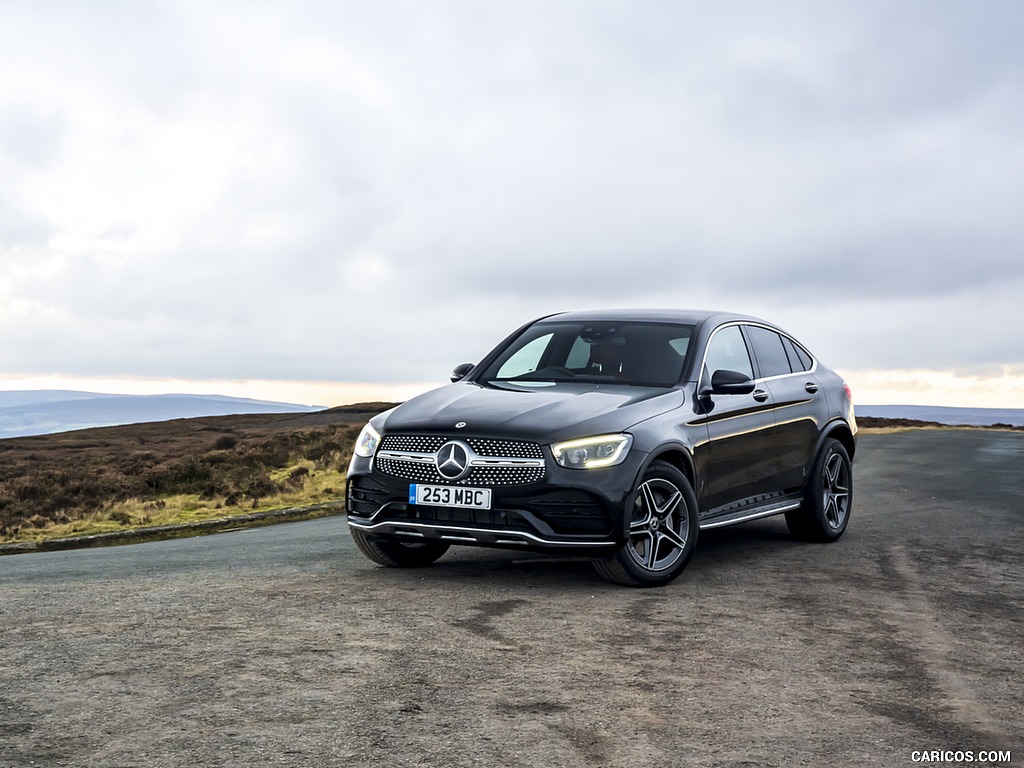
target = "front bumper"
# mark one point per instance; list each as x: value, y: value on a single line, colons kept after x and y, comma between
x: 568, y: 510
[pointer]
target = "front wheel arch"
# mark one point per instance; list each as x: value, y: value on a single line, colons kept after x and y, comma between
x: 673, y: 454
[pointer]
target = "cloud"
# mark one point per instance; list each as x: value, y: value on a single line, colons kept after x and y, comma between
x: 374, y: 192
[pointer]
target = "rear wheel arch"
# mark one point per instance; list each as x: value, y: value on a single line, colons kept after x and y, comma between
x: 838, y: 430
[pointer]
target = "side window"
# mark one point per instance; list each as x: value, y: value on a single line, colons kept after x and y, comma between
x: 771, y: 355
x: 799, y: 360
x: 728, y: 352
x: 525, y: 360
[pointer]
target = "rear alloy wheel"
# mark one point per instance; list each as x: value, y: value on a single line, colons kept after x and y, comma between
x: 398, y: 554
x: 662, y: 531
x: 828, y: 498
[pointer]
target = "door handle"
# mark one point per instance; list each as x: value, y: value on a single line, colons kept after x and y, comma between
x: 811, y: 387
x: 760, y: 395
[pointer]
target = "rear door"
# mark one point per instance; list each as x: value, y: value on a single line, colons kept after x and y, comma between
x: 784, y: 369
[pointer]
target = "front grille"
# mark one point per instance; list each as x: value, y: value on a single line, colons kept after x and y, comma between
x: 509, y: 449
x: 414, y: 443
x: 418, y: 473
x: 488, y: 476
x: 505, y: 475
x: 485, y: 476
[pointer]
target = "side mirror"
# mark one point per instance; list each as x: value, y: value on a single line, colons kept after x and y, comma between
x: 725, y: 382
x: 459, y: 371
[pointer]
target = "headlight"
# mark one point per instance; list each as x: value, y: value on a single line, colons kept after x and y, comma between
x: 592, y: 452
x: 367, y: 443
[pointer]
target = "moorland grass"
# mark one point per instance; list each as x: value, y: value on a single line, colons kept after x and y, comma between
x: 186, y: 470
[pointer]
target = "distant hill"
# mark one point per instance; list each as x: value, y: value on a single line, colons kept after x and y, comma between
x: 975, y: 417
x: 43, y: 412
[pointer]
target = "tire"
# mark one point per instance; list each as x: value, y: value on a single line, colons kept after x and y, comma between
x: 662, y: 531
x: 398, y: 554
x: 828, y: 497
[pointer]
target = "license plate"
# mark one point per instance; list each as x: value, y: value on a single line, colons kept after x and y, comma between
x: 450, y: 496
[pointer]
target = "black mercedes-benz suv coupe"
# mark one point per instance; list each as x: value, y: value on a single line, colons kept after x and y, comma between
x: 618, y: 435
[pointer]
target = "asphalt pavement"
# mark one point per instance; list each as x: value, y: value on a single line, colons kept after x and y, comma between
x: 282, y: 646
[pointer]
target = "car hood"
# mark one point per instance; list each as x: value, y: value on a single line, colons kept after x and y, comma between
x: 559, y: 412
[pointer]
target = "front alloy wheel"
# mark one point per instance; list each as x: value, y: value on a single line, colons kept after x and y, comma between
x: 662, y: 531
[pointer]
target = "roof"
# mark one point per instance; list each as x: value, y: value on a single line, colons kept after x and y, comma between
x: 681, y: 316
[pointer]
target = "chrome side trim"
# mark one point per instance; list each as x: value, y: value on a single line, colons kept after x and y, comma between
x: 704, y: 359
x: 776, y: 509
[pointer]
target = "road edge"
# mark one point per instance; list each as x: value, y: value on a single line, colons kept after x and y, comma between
x: 177, y: 531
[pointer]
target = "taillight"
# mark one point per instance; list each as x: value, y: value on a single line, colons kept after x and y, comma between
x: 846, y: 389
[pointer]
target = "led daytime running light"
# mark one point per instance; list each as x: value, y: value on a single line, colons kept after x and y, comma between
x: 592, y: 452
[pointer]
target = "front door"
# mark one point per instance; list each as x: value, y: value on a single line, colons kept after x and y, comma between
x: 737, y: 463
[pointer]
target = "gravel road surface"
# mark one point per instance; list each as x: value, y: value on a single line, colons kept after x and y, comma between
x: 282, y: 646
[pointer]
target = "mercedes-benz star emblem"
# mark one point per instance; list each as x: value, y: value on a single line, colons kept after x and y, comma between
x: 452, y: 460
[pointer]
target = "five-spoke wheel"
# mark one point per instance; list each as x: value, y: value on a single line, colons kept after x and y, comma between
x: 828, y: 498
x: 662, y: 530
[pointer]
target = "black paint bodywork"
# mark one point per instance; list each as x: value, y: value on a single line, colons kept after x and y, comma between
x: 747, y: 454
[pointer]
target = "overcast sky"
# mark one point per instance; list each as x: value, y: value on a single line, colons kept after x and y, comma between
x: 372, y: 192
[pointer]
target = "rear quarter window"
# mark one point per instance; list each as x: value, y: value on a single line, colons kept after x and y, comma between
x: 772, y: 359
x: 799, y: 358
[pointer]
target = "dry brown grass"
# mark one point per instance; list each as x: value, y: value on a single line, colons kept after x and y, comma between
x: 871, y: 425
x: 187, y: 469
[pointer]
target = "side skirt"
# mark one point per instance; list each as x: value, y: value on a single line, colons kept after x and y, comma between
x: 745, y: 514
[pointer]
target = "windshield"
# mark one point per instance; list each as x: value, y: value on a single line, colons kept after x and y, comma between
x: 644, y: 354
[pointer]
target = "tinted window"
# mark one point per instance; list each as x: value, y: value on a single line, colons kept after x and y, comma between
x: 649, y: 354
x: 799, y: 360
x: 768, y: 349
x: 728, y: 352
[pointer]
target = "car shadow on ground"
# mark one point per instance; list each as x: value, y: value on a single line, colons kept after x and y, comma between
x: 761, y: 543
x: 745, y: 545
x: 758, y: 535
